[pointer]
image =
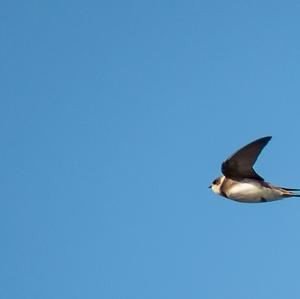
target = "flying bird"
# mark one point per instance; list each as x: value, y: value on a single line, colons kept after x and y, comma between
x: 241, y: 183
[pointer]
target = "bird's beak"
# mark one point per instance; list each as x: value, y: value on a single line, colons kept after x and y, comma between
x: 209, y: 186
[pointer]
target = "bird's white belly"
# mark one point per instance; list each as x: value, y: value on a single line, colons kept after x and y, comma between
x: 252, y: 192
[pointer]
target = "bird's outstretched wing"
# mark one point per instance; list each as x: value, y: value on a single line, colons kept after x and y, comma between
x: 240, y: 164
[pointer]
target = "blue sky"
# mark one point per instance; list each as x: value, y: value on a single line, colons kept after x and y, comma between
x: 115, y: 117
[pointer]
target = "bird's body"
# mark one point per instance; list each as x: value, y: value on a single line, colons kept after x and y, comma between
x: 250, y: 190
x: 241, y: 183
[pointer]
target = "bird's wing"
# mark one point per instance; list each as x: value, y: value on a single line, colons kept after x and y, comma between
x: 240, y: 164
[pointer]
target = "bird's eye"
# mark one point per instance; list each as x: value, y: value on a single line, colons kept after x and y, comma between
x: 215, y: 181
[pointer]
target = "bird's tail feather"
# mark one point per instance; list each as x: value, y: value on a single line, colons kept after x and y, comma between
x: 290, y: 189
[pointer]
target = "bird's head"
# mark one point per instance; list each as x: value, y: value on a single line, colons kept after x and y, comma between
x: 216, y: 184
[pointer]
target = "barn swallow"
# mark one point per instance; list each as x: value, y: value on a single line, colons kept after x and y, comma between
x: 241, y: 183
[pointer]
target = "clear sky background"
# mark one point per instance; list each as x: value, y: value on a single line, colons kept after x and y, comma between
x: 115, y: 117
